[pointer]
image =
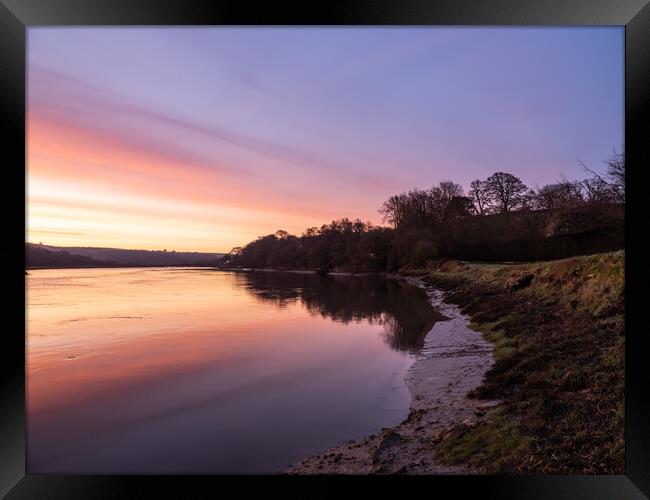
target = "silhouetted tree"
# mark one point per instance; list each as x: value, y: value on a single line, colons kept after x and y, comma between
x: 611, y: 187
x: 563, y: 194
x: 507, y: 191
x: 458, y: 207
x: 450, y: 190
x: 393, y: 209
x: 616, y: 174
x: 597, y: 190
x: 480, y: 196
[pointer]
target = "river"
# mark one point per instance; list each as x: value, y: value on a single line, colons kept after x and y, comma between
x: 198, y: 371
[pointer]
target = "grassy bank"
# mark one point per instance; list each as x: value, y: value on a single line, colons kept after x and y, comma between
x: 559, y: 364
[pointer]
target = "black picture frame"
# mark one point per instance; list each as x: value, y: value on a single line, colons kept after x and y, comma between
x: 18, y: 15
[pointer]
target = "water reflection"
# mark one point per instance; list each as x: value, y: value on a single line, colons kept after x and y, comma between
x: 402, y: 309
x: 165, y: 371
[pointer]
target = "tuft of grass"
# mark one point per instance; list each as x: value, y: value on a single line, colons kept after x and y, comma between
x: 559, y: 364
x: 504, y: 345
x: 494, y: 443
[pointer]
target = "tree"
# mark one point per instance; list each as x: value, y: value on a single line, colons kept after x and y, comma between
x: 393, y: 209
x: 507, y: 191
x: 528, y: 200
x: 616, y: 174
x: 565, y: 194
x: 450, y: 190
x: 419, y: 208
x: 480, y: 196
x: 458, y: 207
x: 597, y: 190
x: 614, y: 182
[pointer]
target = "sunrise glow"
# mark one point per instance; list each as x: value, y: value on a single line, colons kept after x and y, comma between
x: 204, y: 139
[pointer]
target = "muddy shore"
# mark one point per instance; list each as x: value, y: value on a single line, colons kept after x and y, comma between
x: 452, y: 362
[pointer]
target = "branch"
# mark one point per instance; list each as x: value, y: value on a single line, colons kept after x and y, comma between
x: 600, y: 177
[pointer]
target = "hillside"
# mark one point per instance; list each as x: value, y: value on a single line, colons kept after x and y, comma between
x: 38, y: 257
x: 136, y: 258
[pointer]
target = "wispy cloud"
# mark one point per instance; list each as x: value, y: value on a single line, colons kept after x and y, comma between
x: 93, y: 108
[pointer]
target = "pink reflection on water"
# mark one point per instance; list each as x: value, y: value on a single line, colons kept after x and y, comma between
x: 172, y: 371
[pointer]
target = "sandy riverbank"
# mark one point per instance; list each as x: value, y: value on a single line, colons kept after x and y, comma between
x: 452, y: 362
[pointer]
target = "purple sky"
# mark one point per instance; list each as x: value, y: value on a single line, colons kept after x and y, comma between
x: 204, y: 138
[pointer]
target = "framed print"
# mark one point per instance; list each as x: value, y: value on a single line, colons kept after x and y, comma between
x: 359, y: 243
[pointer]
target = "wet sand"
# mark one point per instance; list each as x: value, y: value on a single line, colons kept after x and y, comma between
x: 452, y: 362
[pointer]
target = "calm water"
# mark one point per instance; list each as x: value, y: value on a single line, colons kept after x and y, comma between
x: 201, y: 371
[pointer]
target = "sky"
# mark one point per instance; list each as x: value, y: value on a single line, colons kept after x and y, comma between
x: 202, y: 139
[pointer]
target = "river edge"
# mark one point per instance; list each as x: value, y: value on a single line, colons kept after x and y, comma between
x: 452, y: 362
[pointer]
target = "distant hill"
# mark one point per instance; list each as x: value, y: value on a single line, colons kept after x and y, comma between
x: 38, y: 257
x: 51, y: 256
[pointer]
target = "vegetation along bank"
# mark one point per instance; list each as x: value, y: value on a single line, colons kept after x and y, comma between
x: 558, y: 331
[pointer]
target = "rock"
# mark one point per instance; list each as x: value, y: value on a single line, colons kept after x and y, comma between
x: 515, y: 283
x: 414, y: 415
x: 469, y: 422
x: 487, y: 405
x: 388, y: 440
x: 455, y: 431
x: 437, y: 436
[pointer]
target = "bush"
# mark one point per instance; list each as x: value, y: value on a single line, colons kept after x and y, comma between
x: 584, y: 219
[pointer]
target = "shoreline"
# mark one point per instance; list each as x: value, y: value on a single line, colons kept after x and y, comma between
x: 452, y: 362
x: 558, y: 330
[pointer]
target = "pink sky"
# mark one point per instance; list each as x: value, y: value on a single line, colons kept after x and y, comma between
x: 204, y: 139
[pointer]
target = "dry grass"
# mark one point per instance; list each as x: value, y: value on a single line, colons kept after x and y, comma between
x: 559, y: 364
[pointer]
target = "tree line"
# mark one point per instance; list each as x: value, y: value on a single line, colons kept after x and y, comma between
x: 426, y: 224
x: 503, y: 193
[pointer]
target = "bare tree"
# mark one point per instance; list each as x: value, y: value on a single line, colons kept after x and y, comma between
x: 480, y: 196
x: 508, y: 191
x: 393, y: 209
x: 614, y: 179
x: 597, y: 190
x: 564, y: 194
x: 420, y: 208
x: 436, y: 200
x: 450, y: 190
x: 616, y: 174
x: 528, y: 200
